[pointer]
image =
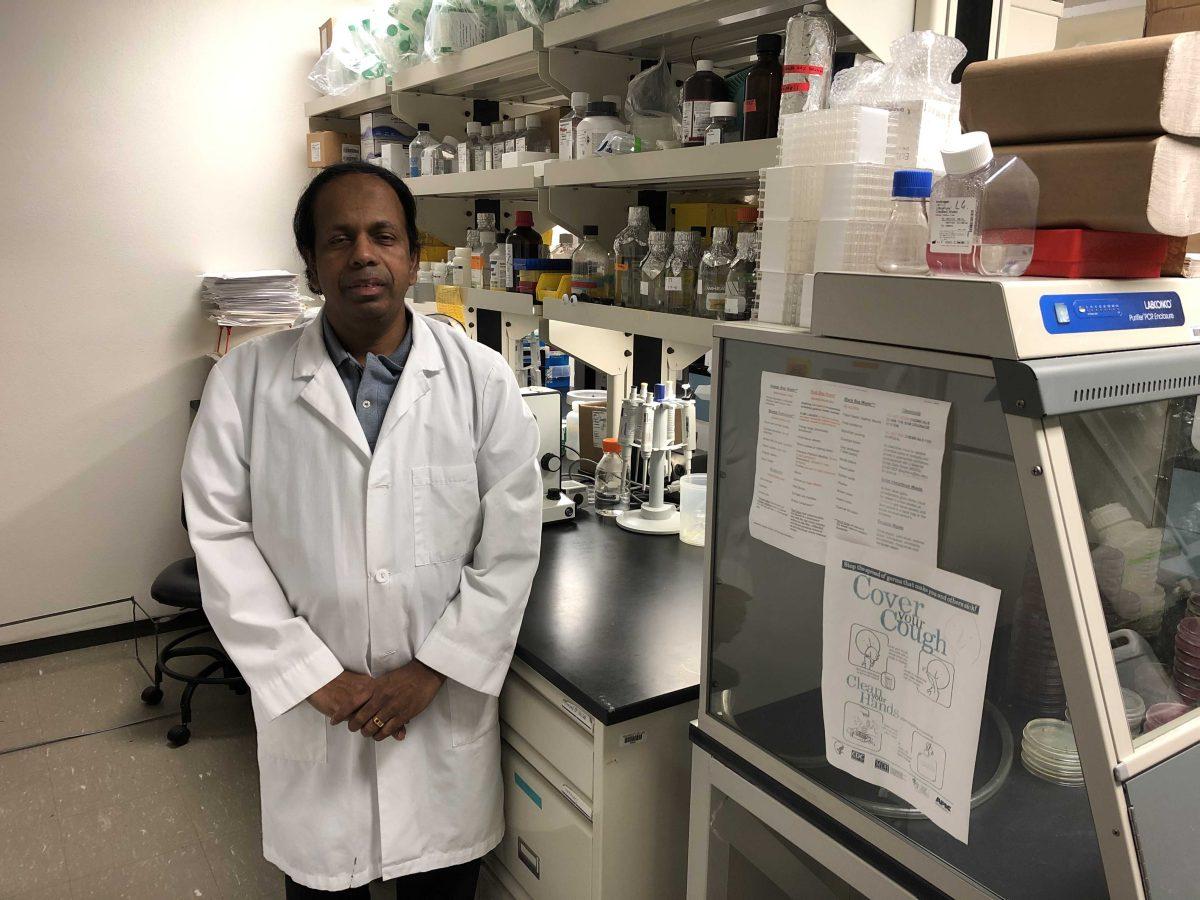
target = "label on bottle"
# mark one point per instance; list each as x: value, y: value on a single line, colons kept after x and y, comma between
x: 700, y: 287
x: 734, y: 305
x: 510, y: 145
x: 750, y: 105
x: 714, y: 301
x: 952, y: 225
x: 712, y: 136
x: 696, y: 116
x: 673, y: 283
x: 508, y: 267
x: 479, y: 159
x: 497, y: 154
x: 645, y: 288
x: 477, y: 266
x: 566, y: 139
x: 521, y: 143
x: 801, y: 78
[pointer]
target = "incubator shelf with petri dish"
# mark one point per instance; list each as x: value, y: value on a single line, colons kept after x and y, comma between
x: 1067, y: 483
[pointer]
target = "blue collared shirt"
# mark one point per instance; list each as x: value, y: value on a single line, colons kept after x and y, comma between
x: 371, y: 386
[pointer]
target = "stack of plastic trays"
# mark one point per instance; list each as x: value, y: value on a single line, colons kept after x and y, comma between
x: 829, y: 137
x: 789, y: 203
x: 856, y: 201
x: 1034, y: 678
x: 1048, y: 751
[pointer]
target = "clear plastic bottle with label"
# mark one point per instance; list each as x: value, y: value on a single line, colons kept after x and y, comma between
x: 534, y: 139
x: 610, y: 497
x: 565, y: 246
x: 982, y: 212
x: 741, y: 302
x: 467, y: 148
x: 569, y: 124
x: 483, y: 153
x: 905, y: 238
x: 498, y: 143
x: 714, y: 273
x: 807, y: 60
x: 722, y: 126
x: 652, y: 287
x: 702, y: 88
x: 592, y: 270
x: 480, y: 268
x: 630, y: 248
x: 679, y: 281
x: 417, y: 148
x: 511, y: 130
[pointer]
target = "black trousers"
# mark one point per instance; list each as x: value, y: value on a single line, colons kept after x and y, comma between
x: 452, y: 883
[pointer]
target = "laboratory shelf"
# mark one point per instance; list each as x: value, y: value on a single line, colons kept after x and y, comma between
x: 506, y: 68
x: 503, y: 301
x: 515, y: 183
x: 367, y: 97
x: 676, y: 169
x: 721, y: 30
x: 665, y: 326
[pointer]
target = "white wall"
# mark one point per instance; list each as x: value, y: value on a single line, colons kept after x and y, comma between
x: 144, y: 143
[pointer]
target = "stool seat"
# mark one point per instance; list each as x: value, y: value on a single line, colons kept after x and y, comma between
x: 178, y: 585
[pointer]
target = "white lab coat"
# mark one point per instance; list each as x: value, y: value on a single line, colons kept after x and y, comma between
x: 316, y: 555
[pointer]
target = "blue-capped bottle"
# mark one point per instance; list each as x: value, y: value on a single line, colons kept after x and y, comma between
x: 902, y: 247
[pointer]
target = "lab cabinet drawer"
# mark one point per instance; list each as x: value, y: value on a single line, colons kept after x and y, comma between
x: 547, y: 844
x: 550, y: 729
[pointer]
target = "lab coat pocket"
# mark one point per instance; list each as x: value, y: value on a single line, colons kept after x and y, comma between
x: 445, y: 512
x: 300, y: 735
x: 472, y: 713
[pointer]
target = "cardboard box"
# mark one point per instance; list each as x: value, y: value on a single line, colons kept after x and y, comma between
x: 1144, y: 184
x: 379, y: 128
x: 1171, y: 16
x: 325, y: 34
x: 1142, y: 86
x: 326, y: 148
x: 685, y: 216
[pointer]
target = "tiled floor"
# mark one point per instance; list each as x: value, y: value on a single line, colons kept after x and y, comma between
x: 122, y: 814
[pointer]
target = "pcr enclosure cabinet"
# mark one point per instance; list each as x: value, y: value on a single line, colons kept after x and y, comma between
x: 1070, y: 482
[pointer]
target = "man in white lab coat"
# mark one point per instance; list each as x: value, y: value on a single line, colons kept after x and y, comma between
x: 365, y: 506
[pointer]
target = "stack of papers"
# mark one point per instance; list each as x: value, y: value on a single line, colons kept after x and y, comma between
x: 264, y: 297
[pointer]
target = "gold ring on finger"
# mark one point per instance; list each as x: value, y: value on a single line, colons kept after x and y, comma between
x: 378, y: 723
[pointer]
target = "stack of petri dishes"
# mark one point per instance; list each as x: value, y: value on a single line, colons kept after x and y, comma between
x: 1035, y: 682
x: 1187, y: 659
x: 1159, y: 714
x: 1193, y: 603
x: 1048, y: 751
x: 1135, y: 710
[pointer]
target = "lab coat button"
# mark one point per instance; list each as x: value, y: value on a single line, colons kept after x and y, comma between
x: 383, y: 576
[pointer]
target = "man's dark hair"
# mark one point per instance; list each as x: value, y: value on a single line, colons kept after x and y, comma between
x: 305, y: 227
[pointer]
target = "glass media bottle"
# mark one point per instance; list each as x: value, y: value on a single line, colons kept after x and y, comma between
x: 592, y: 270
x: 740, y: 298
x: 630, y: 248
x: 653, y: 271
x: 902, y: 247
x: 714, y: 271
x: 680, y: 278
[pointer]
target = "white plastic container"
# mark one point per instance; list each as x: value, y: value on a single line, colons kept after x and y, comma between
x: 575, y: 398
x: 417, y: 148
x: 462, y: 265
x: 601, y: 118
x: 440, y: 273
x: 982, y: 212
x: 693, y: 500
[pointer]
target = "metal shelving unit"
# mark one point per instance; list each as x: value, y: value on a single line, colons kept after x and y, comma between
x: 679, y: 169
x: 366, y: 97
x: 512, y: 184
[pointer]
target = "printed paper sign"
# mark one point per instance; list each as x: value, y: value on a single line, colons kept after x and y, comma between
x: 837, y: 462
x: 903, y: 670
